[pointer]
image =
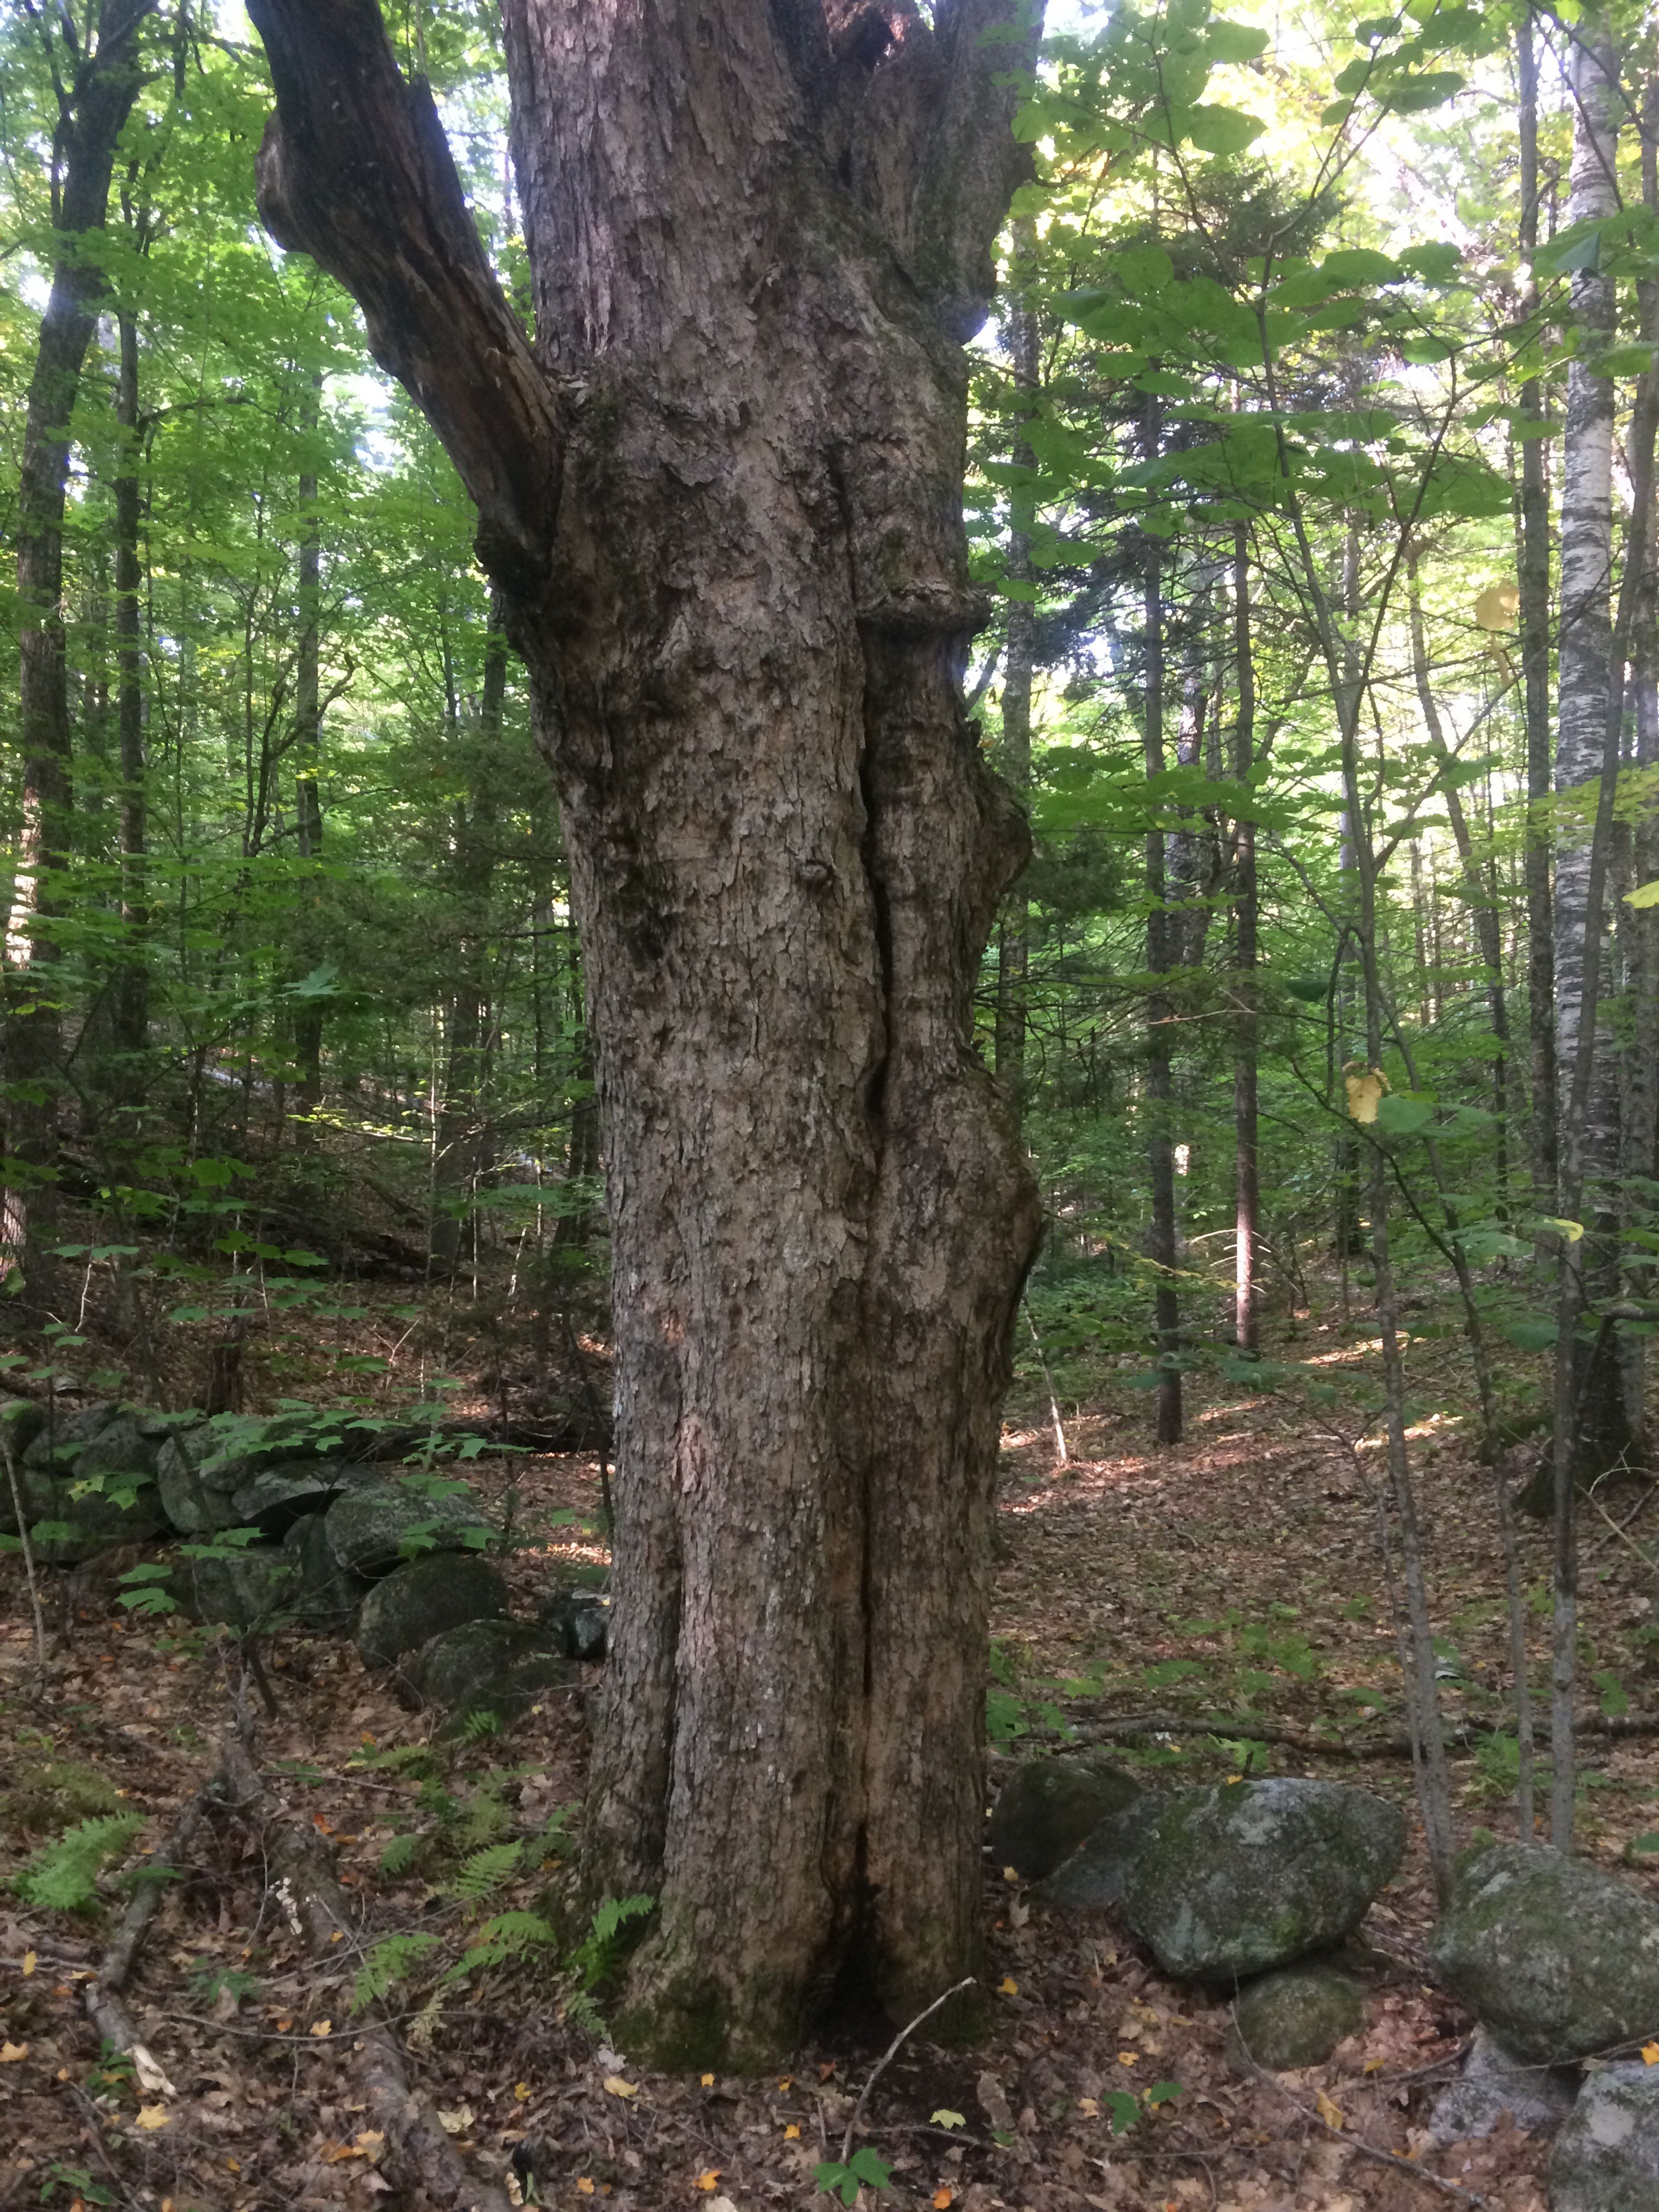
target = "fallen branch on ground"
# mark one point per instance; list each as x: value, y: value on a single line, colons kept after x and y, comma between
x: 1246, y: 1727
x: 418, y: 2155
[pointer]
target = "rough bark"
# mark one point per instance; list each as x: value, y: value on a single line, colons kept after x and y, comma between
x: 93, y: 106
x: 721, y: 499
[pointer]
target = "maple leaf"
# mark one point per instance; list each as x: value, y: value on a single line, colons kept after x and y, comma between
x: 153, y: 2116
x: 707, y: 2180
x: 1008, y: 1987
x: 1650, y: 2054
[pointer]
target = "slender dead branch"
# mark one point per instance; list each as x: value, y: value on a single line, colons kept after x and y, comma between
x: 890, y: 2054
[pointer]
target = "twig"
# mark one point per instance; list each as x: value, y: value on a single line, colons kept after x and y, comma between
x: 28, y: 1555
x: 1390, y: 2158
x: 890, y: 2054
x: 1053, y: 1402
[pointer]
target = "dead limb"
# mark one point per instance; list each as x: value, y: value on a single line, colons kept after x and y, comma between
x: 1236, y: 1727
x: 102, y: 1994
x: 418, y: 2155
x: 890, y: 2054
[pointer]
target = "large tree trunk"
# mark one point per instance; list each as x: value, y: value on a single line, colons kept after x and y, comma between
x: 721, y: 499
x: 96, y: 103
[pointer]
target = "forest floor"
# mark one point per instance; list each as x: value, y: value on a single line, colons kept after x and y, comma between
x: 1234, y: 1581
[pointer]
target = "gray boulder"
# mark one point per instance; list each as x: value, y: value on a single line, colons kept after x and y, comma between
x: 419, y: 1601
x: 369, y: 1528
x: 323, y: 1595
x: 274, y: 1498
x: 1251, y: 1875
x: 1607, y: 2156
x: 1098, y: 1870
x: 88, y: 1497
x: 20, y: 1421
x: 578, y: 1620
x: 1297, y: 2016
x: 1559, y: 1959
x: 495, y: 1667
x: 118, y: 1452
x: 1046, y: 1808
x: 1494, y: 2083
x: 249, y: 1591
x: 60, y: 1441
x: 196, y: 1502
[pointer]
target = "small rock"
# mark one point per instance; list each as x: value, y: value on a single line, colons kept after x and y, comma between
x: 1250, y: 1876
x: 249, y: 1591
x: 369, y: 1528
x: 1493, y: 2082
x: 1607, y: 2156
x: 1098, y: 1871
x: 579, y: 1620
x: 1297, y: 2016
x: 325, y: 1597
x: 1047, y: 1806
x: 421, y: 1599
x: 494, y: 1667
x: 1559, y: 1959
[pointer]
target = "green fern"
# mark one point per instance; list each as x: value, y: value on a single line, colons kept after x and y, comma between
x: 402, y: 1852
x: 484, y: 1872
x: 387, y: 1963
x: 63, y: 1876
x: 484, y: 1815
x: 595, y: 1959
x: 503, y: 1937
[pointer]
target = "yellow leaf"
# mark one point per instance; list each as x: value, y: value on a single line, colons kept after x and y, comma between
x: 1089, y: 2108
x: 792, y: 2133
x: 945, y: 2118
x: 320, y: 2027
x: 787, y: 2082
x: 521, y: 2091
x: 284, y: 2025
x: 707, y: 2180
x: 1650, y: 2054
x: 1008, y: 1987
x: 1011, y: 1873
x: 1572, y: 1230
x: 1643, y: 894
x: 28, y: 1962
x: 152, y: 2116
x: 457, y: 2122
x: 1364, y: 1086
x: 11, y: 2052
x: 370, y: 2143
x: 708, y: 2081
x: 617, y: 2087
x: 1330, y: 2113
x: 942, y: 2197
x: 341, y: 2152
x: 584, y: 2186
x: 1375, y: 2065
x: 1496, y: 607
x: 1128, y: 2058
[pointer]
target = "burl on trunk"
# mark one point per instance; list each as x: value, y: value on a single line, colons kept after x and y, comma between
x: 721, y: 496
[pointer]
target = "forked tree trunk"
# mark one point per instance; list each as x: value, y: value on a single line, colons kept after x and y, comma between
x: 721, y: 499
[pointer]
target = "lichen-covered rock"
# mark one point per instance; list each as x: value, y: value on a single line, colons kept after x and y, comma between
x: 69, y: 1520
x: 579, y: 1620
x: 419, y: 1601
x: 1098, y: 1871
x: 20, y: 1421
x: 1559, y: 1959
x: 325, y: 1597
x: 1494, y: 2083
x: 1607, y: 2156
x: 1251, y: 1875
x: 195, y: 1502
x: 273, y: 1499
x: 249, y: 1591
x: 375, y: 1528
x: 64, y: 1436
x: 494, y: 1668
x: 1297, y: 2016
x: 1046, y: 1808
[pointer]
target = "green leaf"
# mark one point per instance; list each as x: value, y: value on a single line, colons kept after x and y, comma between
x: 1415, y: 95
x: 1534, y: 1336
x: 1121, y: 2109
x: 1227, y: 42
x: 1403, y: 1113
x: 1222, y: 130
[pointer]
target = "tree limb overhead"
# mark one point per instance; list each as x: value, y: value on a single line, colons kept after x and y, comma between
x: 356, y: 171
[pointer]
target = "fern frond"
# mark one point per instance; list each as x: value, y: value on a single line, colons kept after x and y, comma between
x: 401, y: 1853
x: 388, y: 1963
x: 483, y: 1814
x: 485, y: 1871
x: 63, y: 1876
x: 595, y: 1959
x: 502, y: 1938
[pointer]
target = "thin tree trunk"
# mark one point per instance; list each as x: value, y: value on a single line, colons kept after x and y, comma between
x: 1588, y: 1402
x: 1160, y: 1088
x: 1533, y: 576
x: 96, y: 107
x: 1247, y: 1215
x: 1014, y: 931
x: 132, y: 997
x: 309, y: 1011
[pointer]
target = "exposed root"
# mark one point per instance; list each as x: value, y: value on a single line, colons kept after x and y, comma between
x: 418, y: 2156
